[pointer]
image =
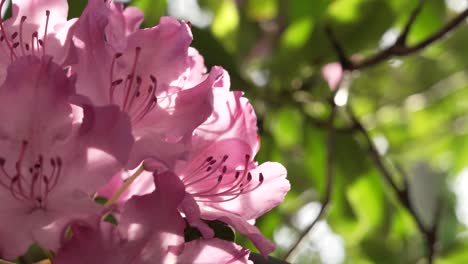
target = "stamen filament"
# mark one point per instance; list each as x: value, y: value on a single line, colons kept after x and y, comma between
x: 125, y: 186
x: 45, y: 31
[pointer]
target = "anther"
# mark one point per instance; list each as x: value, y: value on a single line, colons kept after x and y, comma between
x: 117, y: 82
x: 225, y: 158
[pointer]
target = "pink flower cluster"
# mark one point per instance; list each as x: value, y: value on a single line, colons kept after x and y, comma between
x: 95, y: 106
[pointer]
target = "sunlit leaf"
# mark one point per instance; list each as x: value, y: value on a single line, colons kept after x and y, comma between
x: 225, y: 22
x: 286, y: 126
x: 262, y: 9
x: 153, y: 9
x: 297, y: 33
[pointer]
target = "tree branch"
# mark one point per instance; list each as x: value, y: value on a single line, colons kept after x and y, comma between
x: 400, y: 46
x: 292, y: 252
x: 430, y: 234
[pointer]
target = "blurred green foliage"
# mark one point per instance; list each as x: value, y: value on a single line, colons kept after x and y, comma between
x: 417, y: 105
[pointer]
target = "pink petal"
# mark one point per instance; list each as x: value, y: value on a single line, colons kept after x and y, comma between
x: 192, y: 212
x: 261, y: 243
x: 213, y: 251
x: 153, y: 219
x: 267, y: 196
x: 143, y: 184
x: 167, y: 127
x: 233, y: 118
x: 97, y: 123
x: 133, y: 18
x: 149, y: 227
x: 197, y: 72
x: 163, y: 213
x: 122, y: 22
x: 43, y: 131
x: 35, y: 11
x: 94, y: 245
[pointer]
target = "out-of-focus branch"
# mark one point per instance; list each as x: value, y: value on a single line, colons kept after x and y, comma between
x: 328, y: 183
x: 430, y: 234
x: 400, y: 46
x: 323, y: 124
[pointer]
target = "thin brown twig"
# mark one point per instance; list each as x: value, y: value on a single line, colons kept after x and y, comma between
x: 292, y: 252
x: 402, y: 39
x: 323, y: 124
x: 429, y: 233
x: 400, y: 46
x: 374, y: 153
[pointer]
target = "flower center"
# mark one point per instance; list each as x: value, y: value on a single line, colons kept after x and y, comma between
x: 38, y: 181
x: 10, y: 42
x: 134, y: 94
x: 211, y: 181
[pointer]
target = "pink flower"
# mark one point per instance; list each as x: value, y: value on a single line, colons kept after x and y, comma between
x: 144, y: 73
x: 36, y: 28
x: 54, y: 154
x: 150, y: 231
x: 122, y: 23
x: 221, y: 179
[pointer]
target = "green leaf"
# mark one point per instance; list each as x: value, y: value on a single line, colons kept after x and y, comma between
x: 297, y: 33
x: 153, y: 10
x: 222, y: 230
x: 225, y: 23
x: 286, y: 127
x: 314, y: 156
x: 75, y: 8
x: 262, y: 9
x: 368, y: 202
x: 345, y: 10
x: 428, y: 21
